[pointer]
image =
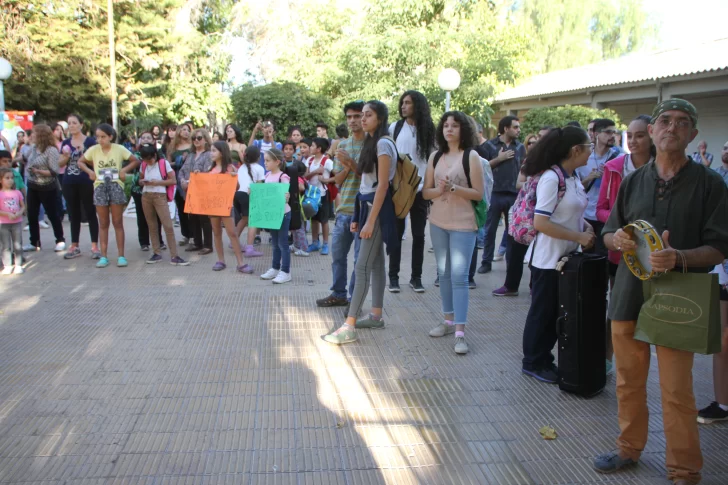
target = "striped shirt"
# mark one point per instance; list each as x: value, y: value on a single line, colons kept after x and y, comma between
x: 350, y: 187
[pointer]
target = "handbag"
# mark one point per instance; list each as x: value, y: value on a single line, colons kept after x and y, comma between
x: 681, y: 311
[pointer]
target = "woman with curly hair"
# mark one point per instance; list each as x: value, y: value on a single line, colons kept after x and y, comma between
x: 43, y: 188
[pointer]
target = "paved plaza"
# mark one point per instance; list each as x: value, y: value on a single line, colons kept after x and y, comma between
x: 156, y: 375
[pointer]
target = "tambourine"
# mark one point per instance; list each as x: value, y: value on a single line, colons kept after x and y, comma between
x: 648, y: 241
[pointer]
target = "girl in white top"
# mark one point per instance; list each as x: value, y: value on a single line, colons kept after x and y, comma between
x: 561, y: 229
x: 250, y: 173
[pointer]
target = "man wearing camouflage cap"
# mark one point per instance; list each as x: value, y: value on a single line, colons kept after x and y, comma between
x: 688, y: 204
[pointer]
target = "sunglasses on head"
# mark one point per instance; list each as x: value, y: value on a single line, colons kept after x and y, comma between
x: 198, y: 138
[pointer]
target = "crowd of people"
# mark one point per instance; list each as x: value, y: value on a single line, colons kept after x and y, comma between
x: 588, y: 189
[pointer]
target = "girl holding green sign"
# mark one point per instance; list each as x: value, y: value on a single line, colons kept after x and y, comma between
x: 280, y: 271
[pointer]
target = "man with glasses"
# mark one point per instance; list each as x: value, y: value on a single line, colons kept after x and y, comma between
x: 591, y: 174
x: 688, y: 204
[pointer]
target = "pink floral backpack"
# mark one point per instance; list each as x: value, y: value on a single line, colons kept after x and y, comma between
x: 521, y: 226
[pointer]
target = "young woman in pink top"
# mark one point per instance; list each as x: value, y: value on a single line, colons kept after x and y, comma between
x: 642, y: 151
x: 452, y: 219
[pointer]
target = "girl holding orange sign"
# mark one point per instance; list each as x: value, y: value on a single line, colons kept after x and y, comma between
x: 222, y: 163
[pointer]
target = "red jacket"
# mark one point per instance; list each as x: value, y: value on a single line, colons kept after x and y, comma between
x: 611, y: 180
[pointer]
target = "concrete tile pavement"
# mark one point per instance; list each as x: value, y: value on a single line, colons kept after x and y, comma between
x: 154, y: 374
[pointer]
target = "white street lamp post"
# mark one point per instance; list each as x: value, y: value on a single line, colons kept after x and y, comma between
x: 5, y: 71
x: 449, y: 80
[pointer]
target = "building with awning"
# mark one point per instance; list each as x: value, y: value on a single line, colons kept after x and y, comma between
x: 631, y: 85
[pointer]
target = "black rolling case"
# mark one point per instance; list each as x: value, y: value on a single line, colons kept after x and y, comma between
x: 581, y: 326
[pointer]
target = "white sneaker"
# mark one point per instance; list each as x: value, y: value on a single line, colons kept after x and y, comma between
x: 18, y: 270
x: 292, y: 248
x: 499, y: 257
x: 7, y: 270
x: 30, y: 247
x: 301, y: 252
x: 44, y: 224
x: 26, y: 228
x: 61, y: 246
x: 282, y: 277
x: 269, y: 275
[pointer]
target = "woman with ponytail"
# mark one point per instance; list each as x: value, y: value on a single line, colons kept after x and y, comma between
x: 559, y: 220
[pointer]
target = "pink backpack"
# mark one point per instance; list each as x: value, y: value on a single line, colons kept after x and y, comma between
x: 521, y: 226
x: 163, y: 172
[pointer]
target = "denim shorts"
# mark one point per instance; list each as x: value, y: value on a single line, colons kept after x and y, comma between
x: 109, y: 194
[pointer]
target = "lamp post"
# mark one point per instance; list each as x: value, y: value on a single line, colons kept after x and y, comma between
x: 449, y: 80
x: 6, y: 70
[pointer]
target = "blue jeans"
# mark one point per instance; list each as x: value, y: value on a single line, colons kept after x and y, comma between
x: 341, y: 240
x: 453, y: 252
x: 280, y: 246
x: 500, y: 204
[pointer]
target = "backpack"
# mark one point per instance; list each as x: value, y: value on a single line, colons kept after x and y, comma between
x: 331, y: 187
x: 397, y: 128
x: 405, y: 183
x: 521, y: 226
x: 480, y: 207
x: 163, y: 172
x: 311, y: 201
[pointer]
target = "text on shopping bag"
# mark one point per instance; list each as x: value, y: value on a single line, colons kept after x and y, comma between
x: 211, y: 194
x: 267, y: 205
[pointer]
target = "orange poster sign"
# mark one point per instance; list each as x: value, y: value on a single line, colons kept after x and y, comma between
x: 211, y: 194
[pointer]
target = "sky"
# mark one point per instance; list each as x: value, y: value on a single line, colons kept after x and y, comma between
x: 704, y: 19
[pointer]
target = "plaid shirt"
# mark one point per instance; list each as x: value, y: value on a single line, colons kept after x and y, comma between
x: 697, y: 159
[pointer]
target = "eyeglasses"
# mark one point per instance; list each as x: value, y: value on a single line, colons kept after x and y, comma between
x: 665, y: 122
x: 608, y: 132
x: 590, y: 145
x: 198, y: 138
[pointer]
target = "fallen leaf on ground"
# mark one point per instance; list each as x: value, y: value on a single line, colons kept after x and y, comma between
x: 547, y: 433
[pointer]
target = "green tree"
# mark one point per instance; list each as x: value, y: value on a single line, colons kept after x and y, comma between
x: 568, y: 33
x: 287, y: 104
x: 168, y: 58
x: 535, y: 118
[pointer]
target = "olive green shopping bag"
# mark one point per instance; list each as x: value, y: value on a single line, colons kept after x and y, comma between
x: 681, y: 311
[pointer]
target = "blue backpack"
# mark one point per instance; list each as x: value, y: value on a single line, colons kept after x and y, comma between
x: 311, y: 201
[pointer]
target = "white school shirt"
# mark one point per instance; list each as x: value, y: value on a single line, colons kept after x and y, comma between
x: 312, y: 165
x: 244, y: 178
x: 152, y: 172
x: 406, y: 143
x: 569, y: 213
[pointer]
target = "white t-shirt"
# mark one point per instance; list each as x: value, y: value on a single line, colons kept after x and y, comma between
x: 407, y: 144
x: 152, y: 172
x: 312, y: 165
x: 720, y: 271
x: 594, y: 163
x: 244, y: 178
x: 368, y: 180
x: 569, y: 213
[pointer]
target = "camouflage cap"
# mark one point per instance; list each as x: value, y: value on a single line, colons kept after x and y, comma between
x: 676, y: 104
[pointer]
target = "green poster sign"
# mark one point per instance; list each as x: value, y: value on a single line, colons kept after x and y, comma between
x: 267, y: 205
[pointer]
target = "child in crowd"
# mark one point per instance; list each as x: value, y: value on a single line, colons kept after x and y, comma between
x: 6, y: 161
x: 222, y: 163
x: 12, y: 207
x: 280, y: 272
x: 300, y: 245
x: 250, y: 173
x: 155, y: 180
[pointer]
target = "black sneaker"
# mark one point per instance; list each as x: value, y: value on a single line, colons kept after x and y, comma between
x: 154, y: 259
x: 332, y: 300
x: 257, y: 240
x: 711, y: 414
x: 394, y: 285
x: 484, y: 268
x: 416, y: 284
x: 543, y: 375
x: 437, y: 281
x: 472, y: 285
